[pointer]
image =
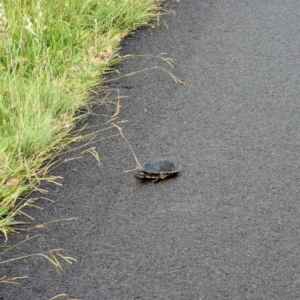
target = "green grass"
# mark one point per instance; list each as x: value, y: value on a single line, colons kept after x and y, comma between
x: 51, y: 55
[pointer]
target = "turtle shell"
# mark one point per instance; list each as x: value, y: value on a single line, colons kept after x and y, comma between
x: 157, y: 169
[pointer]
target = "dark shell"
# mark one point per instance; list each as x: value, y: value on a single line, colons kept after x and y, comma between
x: 159, y: 166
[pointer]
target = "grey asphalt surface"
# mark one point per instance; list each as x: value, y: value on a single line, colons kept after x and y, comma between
x: 228, y: 227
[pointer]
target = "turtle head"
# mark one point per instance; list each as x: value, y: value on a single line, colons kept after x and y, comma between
x: 140, y: 174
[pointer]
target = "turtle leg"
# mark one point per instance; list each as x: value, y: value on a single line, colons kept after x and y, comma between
x: 157, y: 179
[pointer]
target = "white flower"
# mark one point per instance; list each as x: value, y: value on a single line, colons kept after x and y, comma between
x: 3, y: 20
x: 29, y: 25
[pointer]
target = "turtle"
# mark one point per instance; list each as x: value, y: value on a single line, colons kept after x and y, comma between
x: 157, y: 169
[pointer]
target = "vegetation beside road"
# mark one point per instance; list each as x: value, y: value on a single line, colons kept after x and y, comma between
x: 51, y: 56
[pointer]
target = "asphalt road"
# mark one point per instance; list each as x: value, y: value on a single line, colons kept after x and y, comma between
x: 228, y: 227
